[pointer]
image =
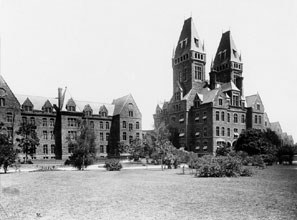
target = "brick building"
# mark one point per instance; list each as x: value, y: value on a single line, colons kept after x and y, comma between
x: 57, y: 119
x: 208, y: 114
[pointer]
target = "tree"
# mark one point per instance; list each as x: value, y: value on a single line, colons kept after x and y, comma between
x: 254, y: 142
x: 138, y: 148
x: 84, y: 147
x: 7, y: 152
x: 286, y: 154
x: 28, y: 140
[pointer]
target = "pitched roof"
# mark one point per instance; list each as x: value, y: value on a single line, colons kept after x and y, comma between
x: 228, y: 47
x: 229, y: 86
x: 27, y: 102
x: 37, y: 101
x: 119, y: 104
x: 189, y: 32
x: 250, y: 100
x: 95, y: 106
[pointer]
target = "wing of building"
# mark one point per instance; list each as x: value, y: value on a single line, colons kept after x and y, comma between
x: 57, y: 119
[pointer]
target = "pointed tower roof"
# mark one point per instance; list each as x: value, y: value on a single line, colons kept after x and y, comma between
x: 189, y: 39
x: 227, y: 50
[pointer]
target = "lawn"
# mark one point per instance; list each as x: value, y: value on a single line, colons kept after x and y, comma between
x: 148, y: 194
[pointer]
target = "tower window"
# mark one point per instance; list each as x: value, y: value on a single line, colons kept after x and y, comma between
x: 198, y: 72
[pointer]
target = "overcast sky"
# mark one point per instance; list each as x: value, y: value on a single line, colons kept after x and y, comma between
x: 102, y: 50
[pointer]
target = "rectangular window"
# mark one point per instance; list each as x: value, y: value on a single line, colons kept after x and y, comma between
x: 72, y: 134
x: 223, y: 116
x: 228, y: 117
x: 32, y: 121
x: 52, y: 122
x: 130, y: 126
x: 205, y: 131
x: 130, y: 113
x: 124, y: 136
x: 220, y: 101
x: 9, y: 132
x: 107, y: 136
x: 223, y: 131
x: 258, y: 106
x: 107, y: 125
x: 52, y: 135
x: 92, y: 125
x: 137, y: 125
x: 9, y: 117
x: 24, y: 119
x: 44, y: 122
x: 101, y: 136
x: 124, y: 124
x: 137, y: 135
x: 45, y: 149
x: 101, y: 149
x: 217, y: 131
x: 72, y: 122
x: 204, y: 117
x: 130, y: 139
x: 52, y: 149
x: 101, y: 124
x: 44, y: 135
x: 228, y: 132
x: 256, y: 119
x: 260, y: 119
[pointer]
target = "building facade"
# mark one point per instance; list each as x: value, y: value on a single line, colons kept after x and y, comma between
x: 208, y: 114
x: 57, y: 120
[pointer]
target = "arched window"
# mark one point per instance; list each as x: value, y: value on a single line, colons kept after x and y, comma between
x: 235, y: 118
x: 217, y: 131
x: 2, y: 102
x: 242, y: 118
x: 223, y: 116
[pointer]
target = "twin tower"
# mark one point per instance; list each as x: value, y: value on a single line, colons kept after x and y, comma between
x: 189, y: 61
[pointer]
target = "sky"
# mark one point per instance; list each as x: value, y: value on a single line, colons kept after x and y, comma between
x: 103, y: 50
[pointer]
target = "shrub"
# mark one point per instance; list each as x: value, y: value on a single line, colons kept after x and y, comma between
x: 268, y: 159
x: 222, y: 166
x: 113, y: 165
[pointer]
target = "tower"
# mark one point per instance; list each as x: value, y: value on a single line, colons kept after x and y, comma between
x: 188, y: 61
x: 227, y: 65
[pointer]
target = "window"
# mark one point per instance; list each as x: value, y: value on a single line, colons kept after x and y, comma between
x: 228, y: 117
x: 198, y: 72
x: 256, y: 119
x: 137, y: 135
x: 107, y: 136
x: 235, y: 118
x: 47, y: 110
x: 72, y: 122
x: 124, y: 124
x: 124, y: 136
x: 72, y: 134
x: 258, y: 106
x: 32, y: 121
x: 177, y: 96
x: 196, y: 103
x: 204, y: 131
x: 88, y: 113
x: 24, y: 119
x: 223, y: 116
x: 52, y: 149
x: 137, y: 125
x: 217, y: 115
x: 130, y: 113
x: 130, y: 139
x: 223, y: 131
x: 44, y: 122
x: 236, y: 133
x: 242, y: 118
x: 260, y: 119
x: 52, y: 135
x: 52, y: 122
x: 217, y: 131
x: 220, y: 101
x: 204, y: 117
x: 101, y: 136
x: 44, y: 134
x: 228, y: 132
x: 103, y: 114
x: 180, y: 76
x: 130, y: 126
x: 101, y: 149
x: 45, y: 149
x: 70, y: 108
x: 197, y: 116
x: 9, y: 132
x: 2, y: 102
x: 181, y: 118
x: 101, y: 125
x: 107, y: 125
x: 235, y: 100
x: 130, y: 108
x: 9, y: 117
x: 92, y: 125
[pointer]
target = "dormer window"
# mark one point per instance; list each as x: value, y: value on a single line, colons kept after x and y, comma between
x: 196, y: 41
x: 258, y: 106
x: 220, y: 101
x: 70, y: 108
x: 177, y: 96
x: 27, y: 108
x: 130, y: 109
x: 48, y: 110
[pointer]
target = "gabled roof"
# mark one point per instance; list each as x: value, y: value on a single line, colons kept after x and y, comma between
x: 230, y: 86
x: 47, y: 104
x: 95, y: 106
x: 37, y: 101
x: 27, y: 102
x: 189, y: 33
x: 71, y: 102
x: 8, y: 93
x: 228, y: 47
x: 87, y: 108
x: 103, y: 109
x: 252, y: 100
x: 119, y: 104
x: 158, y: 108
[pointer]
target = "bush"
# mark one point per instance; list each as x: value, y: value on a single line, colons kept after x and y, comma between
x: 268, y: 159
x: 222, y: 166
x: 113, y: 165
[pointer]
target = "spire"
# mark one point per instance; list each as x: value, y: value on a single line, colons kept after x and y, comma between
x: 227, y: 50
x: 173, y: 52
x: 189, y: 39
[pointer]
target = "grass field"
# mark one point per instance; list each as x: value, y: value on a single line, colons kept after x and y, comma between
x: 148, y: 194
